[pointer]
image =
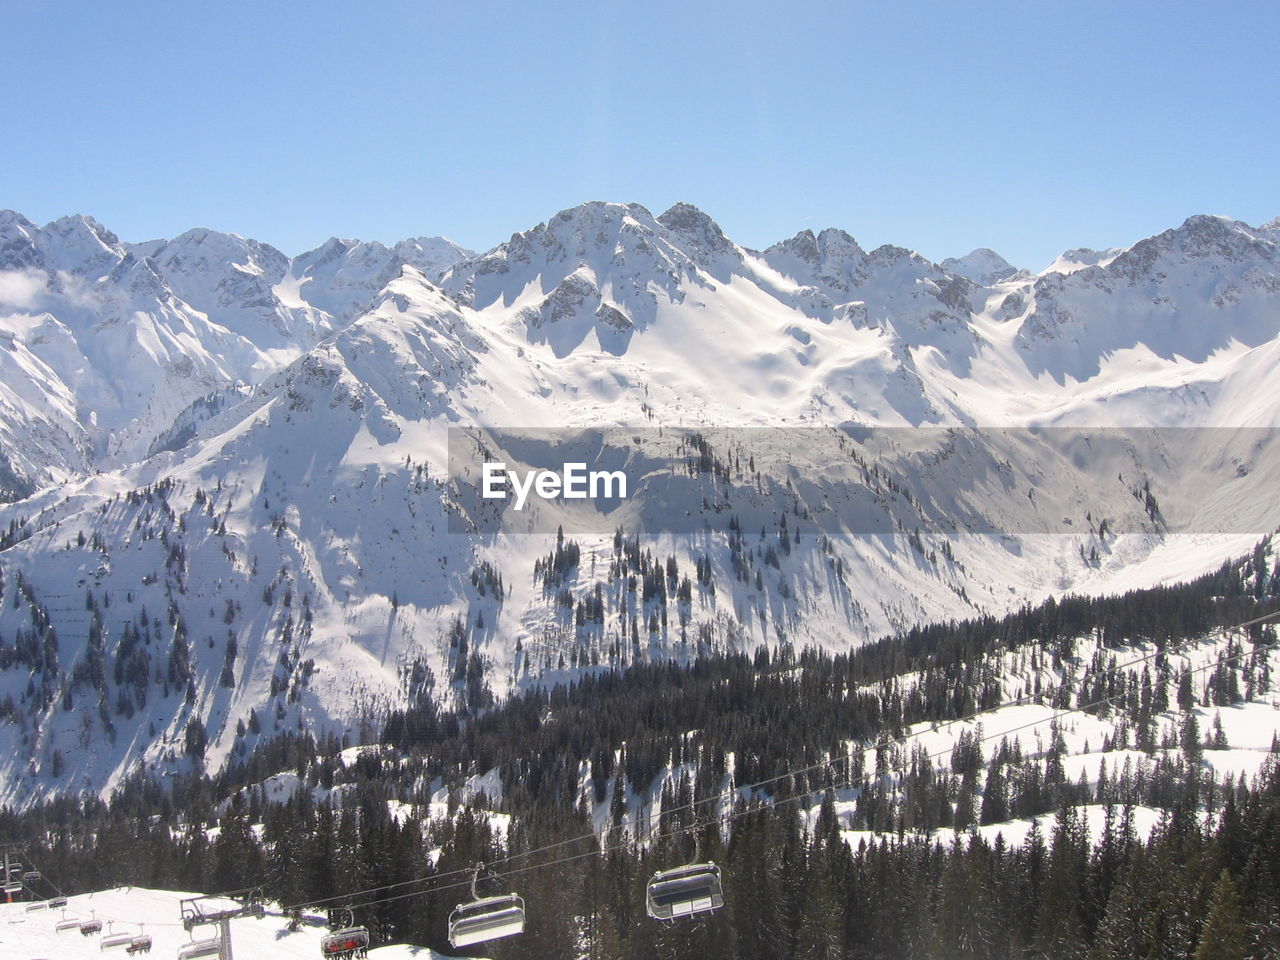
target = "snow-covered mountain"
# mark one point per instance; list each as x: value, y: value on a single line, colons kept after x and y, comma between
x: 290, y: 551
x: 108, y: 344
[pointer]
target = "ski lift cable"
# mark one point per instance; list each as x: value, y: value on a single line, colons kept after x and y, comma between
x: 43, y: 876
x: 769, y: 803
x: 822, y: 765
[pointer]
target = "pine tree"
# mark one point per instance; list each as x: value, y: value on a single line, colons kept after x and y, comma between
x: 1120, y: 935
x: 236, y: 857
x: 964, y: 924
x: 1059, y: 925
x: 1224, y: 935
x: 820, y: 935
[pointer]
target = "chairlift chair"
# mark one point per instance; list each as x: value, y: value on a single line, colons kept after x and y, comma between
x: 62, y: 926
x: 115, y: 940
x: 12, y: 888
x: 684, y: 891
x: 211, y: 947
x: 38, y: 905
x: 347, y: 942
x: 90, y: 927
x: 31, y: 876
x: 490, y: 918
x: 57, y: 902
x: 485, y: 918
x: 140, y: 944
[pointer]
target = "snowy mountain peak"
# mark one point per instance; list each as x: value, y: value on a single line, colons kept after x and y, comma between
x: 570, y: 258
x: 141, y: 278
x: 17, y: 245
x: 1201, y: 237
x: 803, y: 246
x: 431, y: 256
x: 704, y: 234
x: 82, y: 245
x: 11, y: 219
x: 332, y: 249
x: 211, y: 253
x: 1070, y: 261
x: 593, y: 213
x: 232, y: 247
x: 831, y: 247
x: 983, y: 266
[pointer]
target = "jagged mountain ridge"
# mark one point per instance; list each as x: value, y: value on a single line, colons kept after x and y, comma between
x: 109, y: 343
x: 285, y: 556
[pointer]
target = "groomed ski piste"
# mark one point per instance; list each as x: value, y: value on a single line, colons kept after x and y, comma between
x: 31, y: 935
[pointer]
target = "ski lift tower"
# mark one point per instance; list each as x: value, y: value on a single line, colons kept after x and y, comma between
x: 221, y: 909
x: 12, y: 872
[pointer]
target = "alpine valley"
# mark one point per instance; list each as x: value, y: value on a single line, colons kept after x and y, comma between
x: 229, y: 515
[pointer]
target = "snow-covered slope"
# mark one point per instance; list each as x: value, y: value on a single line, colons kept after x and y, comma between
x: 291, y: 552
x: 30, y: 935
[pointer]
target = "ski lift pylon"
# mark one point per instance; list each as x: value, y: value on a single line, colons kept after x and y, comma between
x: 487, y: 918
x: 684, y: 891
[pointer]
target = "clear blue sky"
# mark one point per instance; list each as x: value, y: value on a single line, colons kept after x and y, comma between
x: 1025, y: 126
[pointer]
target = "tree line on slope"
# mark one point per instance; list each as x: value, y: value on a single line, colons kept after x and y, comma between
x: 1207, y: 880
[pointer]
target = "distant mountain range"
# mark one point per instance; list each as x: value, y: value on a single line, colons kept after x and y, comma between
x: 226, y: 470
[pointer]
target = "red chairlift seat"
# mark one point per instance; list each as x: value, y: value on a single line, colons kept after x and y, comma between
x: 347, y: 942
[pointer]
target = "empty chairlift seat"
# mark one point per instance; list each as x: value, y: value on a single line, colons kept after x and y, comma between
x: 490, y: 918
x: 62, y: 926
x: 200, y: 948
x: 684, y: 891
x: 116, y: 940
x: 348, y: 942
